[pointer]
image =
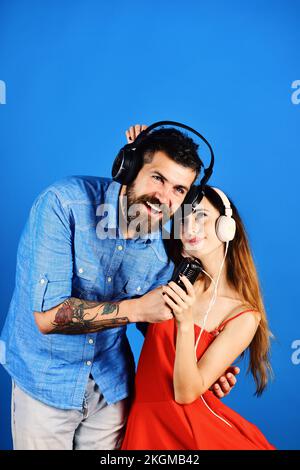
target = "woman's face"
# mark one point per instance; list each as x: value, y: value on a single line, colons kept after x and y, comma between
x: 198, y: 230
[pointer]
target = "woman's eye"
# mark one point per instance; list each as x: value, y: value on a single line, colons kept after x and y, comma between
x: 200, y: 216
x: 197, y: 217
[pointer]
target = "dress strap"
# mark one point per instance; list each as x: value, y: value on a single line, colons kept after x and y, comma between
x: 232, y: 318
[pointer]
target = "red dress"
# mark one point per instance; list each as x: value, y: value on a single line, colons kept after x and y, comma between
x: 157, y: 422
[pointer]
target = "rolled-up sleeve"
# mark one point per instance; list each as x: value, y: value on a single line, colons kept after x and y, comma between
x: 51, y: 267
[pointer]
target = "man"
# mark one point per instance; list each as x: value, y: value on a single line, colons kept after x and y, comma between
x: 83, y: 273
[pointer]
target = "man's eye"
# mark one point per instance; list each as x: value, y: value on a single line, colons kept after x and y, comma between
x: 180, y: 190
x: 158, y: 178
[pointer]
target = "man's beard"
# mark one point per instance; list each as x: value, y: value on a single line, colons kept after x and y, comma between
x: 137, y: 218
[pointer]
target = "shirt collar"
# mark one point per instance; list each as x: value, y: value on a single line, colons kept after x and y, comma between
x: 112, y: 198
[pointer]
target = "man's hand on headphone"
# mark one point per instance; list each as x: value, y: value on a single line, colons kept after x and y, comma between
x: 134, y: 131
x: 226, y: 382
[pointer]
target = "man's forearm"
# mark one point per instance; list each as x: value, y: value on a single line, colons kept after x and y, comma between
x: 78, y: 316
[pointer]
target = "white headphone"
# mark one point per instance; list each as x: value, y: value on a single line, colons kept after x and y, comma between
x: 225, y: 224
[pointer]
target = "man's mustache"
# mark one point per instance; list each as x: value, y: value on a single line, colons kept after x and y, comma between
x: 155, y: 202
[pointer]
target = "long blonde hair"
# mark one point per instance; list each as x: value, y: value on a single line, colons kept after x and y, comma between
x: 242, y: 276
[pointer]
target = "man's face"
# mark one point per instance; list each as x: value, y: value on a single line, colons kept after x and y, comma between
x: 158, y: 190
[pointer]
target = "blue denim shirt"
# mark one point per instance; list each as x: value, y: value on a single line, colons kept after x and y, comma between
x: 60, y: 254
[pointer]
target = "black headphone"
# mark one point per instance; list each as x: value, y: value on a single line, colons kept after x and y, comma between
x: 128, y: 162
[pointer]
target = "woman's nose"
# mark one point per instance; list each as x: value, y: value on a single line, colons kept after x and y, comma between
x: 189, y: 227
x: 193, y: 228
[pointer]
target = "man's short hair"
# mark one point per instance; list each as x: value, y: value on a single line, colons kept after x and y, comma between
x: 175, y: 144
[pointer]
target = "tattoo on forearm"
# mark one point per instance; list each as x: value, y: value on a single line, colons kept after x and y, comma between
x: 71, y: 317
x: 110, y: 308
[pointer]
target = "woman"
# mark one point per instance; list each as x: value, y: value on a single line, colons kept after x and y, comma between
x: 215, y: 321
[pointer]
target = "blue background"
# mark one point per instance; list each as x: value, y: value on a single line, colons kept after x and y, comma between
x: 78, y: 73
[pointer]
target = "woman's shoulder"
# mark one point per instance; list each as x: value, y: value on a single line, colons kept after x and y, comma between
x: 241, y: 310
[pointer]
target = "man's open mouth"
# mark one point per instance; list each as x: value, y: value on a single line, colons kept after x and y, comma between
x: 152, y: 209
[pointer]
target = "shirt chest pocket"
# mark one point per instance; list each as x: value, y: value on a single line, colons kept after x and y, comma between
x: 135, y: 287
x: 85, y: 277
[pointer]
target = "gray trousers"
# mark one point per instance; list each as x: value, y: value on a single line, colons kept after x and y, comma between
x: 36, y: 426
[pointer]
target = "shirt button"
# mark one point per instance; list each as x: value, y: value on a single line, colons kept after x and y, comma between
x: 88, y: 363
x: 120, y: 248
x: 109, y: 279
x: 138, y: 288
x: 91, y: 341
x: 42, y: 281
x: 80, y: 270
